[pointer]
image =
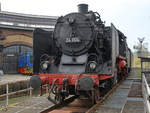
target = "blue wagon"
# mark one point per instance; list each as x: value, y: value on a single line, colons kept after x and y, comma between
x: 25, y: 63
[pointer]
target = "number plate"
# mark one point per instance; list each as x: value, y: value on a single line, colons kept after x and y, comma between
x: 73, y: 40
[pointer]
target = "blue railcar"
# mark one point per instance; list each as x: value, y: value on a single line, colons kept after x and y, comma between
x: 25, y: 63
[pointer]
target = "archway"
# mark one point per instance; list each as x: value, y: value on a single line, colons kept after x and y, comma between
x: 18, y: 39
x: 10, y: 56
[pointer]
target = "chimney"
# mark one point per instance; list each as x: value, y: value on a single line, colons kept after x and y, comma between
x: 83, y: 8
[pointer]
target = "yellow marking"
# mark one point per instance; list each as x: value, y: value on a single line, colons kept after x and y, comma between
x: 13, y: 105
x: 9, y: 106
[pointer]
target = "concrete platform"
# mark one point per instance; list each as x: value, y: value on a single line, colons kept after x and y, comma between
x: 28, y: 105
x: 126, y: 99
x: 23, y: 104
x: 15, y: 82
x: 12, y: 78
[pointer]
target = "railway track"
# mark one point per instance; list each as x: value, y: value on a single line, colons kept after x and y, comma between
x: 78, y: 105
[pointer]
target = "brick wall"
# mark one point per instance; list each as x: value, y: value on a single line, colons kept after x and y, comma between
x: 14, y: 36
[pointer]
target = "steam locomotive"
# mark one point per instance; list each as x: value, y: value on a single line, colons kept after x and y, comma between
x: 81, y: 56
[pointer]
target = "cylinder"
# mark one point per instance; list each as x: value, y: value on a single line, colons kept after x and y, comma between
x: 83, y: 8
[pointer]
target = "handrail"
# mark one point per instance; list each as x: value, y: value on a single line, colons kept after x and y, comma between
x: 147, y: 86
x: 16, y: 92
x: 7, y: 94
x: 146, y: 94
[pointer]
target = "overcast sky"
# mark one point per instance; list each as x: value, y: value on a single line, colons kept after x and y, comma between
x: 132, y: 17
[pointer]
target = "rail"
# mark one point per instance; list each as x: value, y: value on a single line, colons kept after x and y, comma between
x: 7, y: 94
x: 79, y: 107
x: 146, y: 94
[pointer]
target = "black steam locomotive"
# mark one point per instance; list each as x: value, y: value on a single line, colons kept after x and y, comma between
x: 80, y: 56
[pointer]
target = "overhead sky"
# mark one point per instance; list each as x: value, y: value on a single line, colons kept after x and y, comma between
x: 132, y: 17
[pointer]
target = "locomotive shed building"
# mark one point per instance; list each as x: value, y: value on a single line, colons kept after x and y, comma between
x: 17, y: 29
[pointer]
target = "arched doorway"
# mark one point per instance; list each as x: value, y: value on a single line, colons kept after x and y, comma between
x: 10, y: 56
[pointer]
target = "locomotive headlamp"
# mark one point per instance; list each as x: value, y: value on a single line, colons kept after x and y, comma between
x: 92, y: 65
x: 44, y: 65
x: 71, y: 21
